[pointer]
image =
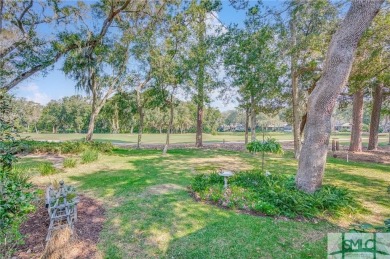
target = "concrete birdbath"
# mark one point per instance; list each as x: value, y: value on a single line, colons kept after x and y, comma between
x: 226, y: 175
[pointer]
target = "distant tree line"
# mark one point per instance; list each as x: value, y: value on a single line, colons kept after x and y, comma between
x: 119, y: 115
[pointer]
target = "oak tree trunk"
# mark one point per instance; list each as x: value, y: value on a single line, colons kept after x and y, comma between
x: 170, y: 126
x: 321, y: 102
x: 295, y: 96
x: 200, y: 81
x: 97, y: 104
x: 355, y: 144
x: 95, y: 112
x: 140, y: 126
x: 199, y: 126
x: 253, y: 119
x: 141, y: 117
x: 246, y: 124
x: 91, y: 125
x: 375, y: 117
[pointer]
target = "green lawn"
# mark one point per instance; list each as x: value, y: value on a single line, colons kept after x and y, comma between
x: 189, y: 137
x: 150, y: 213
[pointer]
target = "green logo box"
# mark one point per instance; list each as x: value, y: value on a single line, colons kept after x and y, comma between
x: 358, y: 245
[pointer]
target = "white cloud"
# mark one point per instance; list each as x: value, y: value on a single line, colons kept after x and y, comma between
x: 213, y: 25
x: 32, y: 92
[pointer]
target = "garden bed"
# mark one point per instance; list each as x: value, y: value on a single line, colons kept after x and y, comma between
x: 89, y: 223
x: 272, y: 195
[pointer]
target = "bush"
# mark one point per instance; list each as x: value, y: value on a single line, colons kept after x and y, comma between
x: 67, y: 147
x: 69, y: 163
x: 268, y: 146
x: 16, y: 193
x: 89, y: 156
x: 46, y: 168
x: 273, y: 195
x: 104, y: 147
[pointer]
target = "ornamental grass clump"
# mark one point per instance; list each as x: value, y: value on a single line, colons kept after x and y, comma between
x: 69, y: 162
x: 273, y: 195
x: 89, y: 156
x: 47, y: 168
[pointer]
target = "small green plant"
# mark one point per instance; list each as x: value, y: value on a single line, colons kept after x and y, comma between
x: 266, y: 146
x: 269, y: 146
x: 47, y: 168
x: 89, y: 156
x: 70, y: 162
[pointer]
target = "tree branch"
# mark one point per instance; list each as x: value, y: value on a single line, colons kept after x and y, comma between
x: 19, y: 20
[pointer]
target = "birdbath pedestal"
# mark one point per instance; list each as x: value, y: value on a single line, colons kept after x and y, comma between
x: 225, y: 175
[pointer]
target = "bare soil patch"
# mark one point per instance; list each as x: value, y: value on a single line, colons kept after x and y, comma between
x: 162, y: 189
x: 89, y: 223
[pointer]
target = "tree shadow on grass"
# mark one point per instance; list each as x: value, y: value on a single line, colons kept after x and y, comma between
x: 150, y: 214
x: 367, y: 165
x: 143, y: 222
x: 246, y: 236
x: 364, y: 188
x: 149, y: 225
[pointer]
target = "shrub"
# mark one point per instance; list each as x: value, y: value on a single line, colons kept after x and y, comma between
x: 69, y: 162
x: 89, y: 156
x: 272, y: 195
x: 104, y: 147
x: 67, y: 147
x: 269, y: 146
x: 16, y: 195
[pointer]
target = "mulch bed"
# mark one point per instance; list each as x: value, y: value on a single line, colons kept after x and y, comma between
x: 89, y: 223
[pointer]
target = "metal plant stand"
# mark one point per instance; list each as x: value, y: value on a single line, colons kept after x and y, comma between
x: 62, y: 207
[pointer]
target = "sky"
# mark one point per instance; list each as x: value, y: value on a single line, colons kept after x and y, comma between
x: 55, y: 85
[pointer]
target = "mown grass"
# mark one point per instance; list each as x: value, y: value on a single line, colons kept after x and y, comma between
x: 189, y: 137
x: 31, y: 167
x: 151, y: 214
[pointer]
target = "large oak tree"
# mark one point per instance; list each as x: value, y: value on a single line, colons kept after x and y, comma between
x: 322, y: 101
